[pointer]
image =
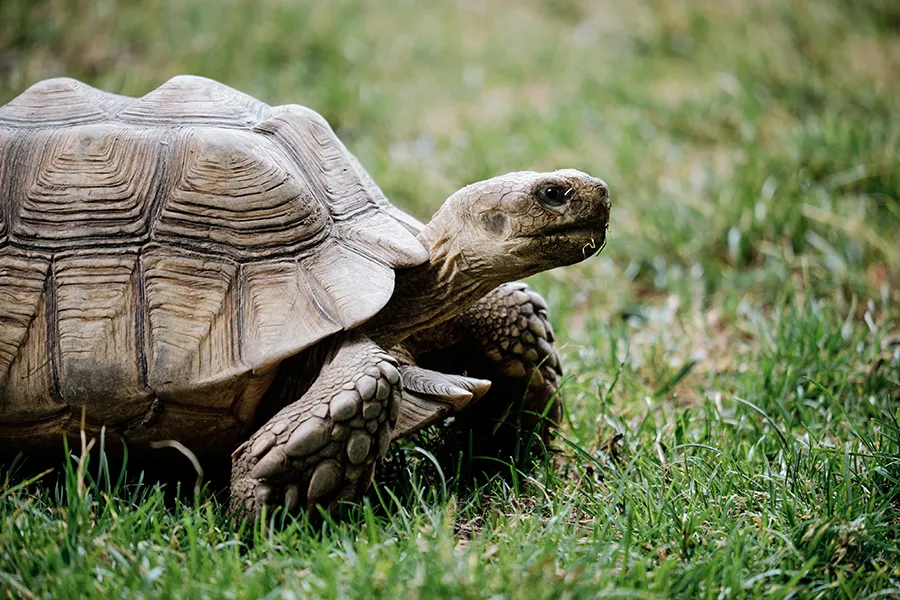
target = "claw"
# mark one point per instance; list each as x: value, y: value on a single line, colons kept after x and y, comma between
x: 291, y: 497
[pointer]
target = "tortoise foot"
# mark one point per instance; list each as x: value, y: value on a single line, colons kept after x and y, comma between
x: 323, y: 448
x: 505, y: 337
x: 517, y: 338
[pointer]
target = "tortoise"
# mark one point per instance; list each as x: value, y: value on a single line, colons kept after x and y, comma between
x: 198, y: 266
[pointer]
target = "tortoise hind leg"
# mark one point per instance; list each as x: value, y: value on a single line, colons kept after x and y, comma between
x: 323, y: 447
x: 506, y: 338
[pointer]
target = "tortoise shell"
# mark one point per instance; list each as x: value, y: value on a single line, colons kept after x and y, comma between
x: 175, y: 248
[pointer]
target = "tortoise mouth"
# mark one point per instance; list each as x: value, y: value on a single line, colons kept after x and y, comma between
x: 581, y: 229
x: 575, y: 241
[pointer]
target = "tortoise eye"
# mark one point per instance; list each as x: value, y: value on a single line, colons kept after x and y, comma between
x: 554, y: 196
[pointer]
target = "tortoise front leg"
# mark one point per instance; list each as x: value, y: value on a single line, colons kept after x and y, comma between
x: 505, y: 338
x: 323, y: 447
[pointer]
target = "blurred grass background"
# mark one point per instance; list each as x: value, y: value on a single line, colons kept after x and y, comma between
x: 733, y: 133
x: 740, y: 333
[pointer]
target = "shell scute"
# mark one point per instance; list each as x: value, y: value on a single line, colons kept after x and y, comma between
x: 175, y: 248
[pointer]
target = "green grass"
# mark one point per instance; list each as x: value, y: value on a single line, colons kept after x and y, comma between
x: 733, y: 359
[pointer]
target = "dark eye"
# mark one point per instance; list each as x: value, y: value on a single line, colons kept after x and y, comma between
x: 554, y: 196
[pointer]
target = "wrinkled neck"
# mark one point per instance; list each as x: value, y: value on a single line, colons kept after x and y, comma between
x: 427, y: 295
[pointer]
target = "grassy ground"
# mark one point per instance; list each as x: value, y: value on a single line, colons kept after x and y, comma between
x: 732, y: 391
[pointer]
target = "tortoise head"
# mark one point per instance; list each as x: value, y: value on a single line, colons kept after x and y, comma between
x: 521, y: 223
